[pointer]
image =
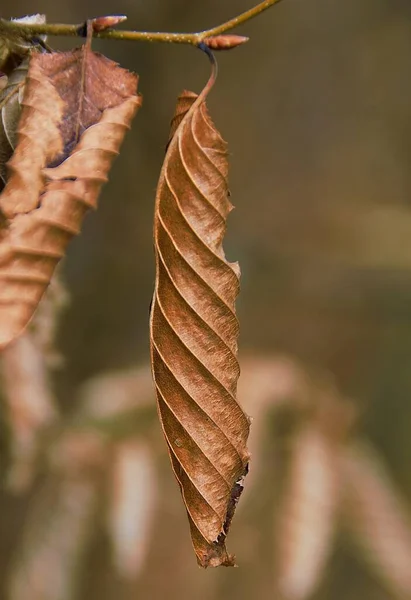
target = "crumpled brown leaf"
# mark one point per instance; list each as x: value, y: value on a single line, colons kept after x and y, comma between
x: 77, y: 108
x: 194, y: 330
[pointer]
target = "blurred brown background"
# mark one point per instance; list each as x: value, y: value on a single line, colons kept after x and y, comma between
x: 316, y: 110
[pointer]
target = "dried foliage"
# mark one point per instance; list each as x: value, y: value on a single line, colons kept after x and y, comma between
x: 108, y: 445
x: 63, y: 117
x: 77, y: 107
x: 194, y: 329
x: 91, y: 456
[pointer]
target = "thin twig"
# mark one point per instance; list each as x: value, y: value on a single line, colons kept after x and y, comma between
x: 30, y: 30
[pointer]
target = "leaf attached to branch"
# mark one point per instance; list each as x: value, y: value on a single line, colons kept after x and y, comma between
x: 77, y: 108
x: 194, y: 330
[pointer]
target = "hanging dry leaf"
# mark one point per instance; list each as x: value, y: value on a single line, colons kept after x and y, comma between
x: 133, y: 503
x: 76, y: 109
x: 307, y: 519
x: 376, y: 516
x: 194, y: 330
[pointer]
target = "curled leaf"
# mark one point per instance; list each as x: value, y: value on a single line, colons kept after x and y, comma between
x: 77, y: 108
x: 194, y: 330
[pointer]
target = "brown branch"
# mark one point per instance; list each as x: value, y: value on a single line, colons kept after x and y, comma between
x: 30, y: 30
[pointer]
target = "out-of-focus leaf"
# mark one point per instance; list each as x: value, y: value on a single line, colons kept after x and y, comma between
x: 377, y: 518
x: 47, y: 564
x: 194, y: 329
x: 120, y: 403
x: 44, y: 325
x: 76, y: 110
x: 133, y: 502
x: 267, y: 384
x: 30, y: 406
x: 307, y: 517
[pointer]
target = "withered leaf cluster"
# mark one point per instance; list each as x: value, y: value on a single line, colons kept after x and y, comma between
x: 63, y: 119
x: 76, y: 109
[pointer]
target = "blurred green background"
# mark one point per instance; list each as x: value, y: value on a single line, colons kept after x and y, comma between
x: 315, y: 109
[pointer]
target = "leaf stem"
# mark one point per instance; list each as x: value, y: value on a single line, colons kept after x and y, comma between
x: 30, y: 30
x: 10, y: 95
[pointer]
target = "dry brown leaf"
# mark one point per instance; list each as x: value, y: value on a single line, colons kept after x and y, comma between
x: 194, y: 330
x: 133, y: 503
x: 376, y: 516
x: 307, y: 519
x: 76, y: 109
